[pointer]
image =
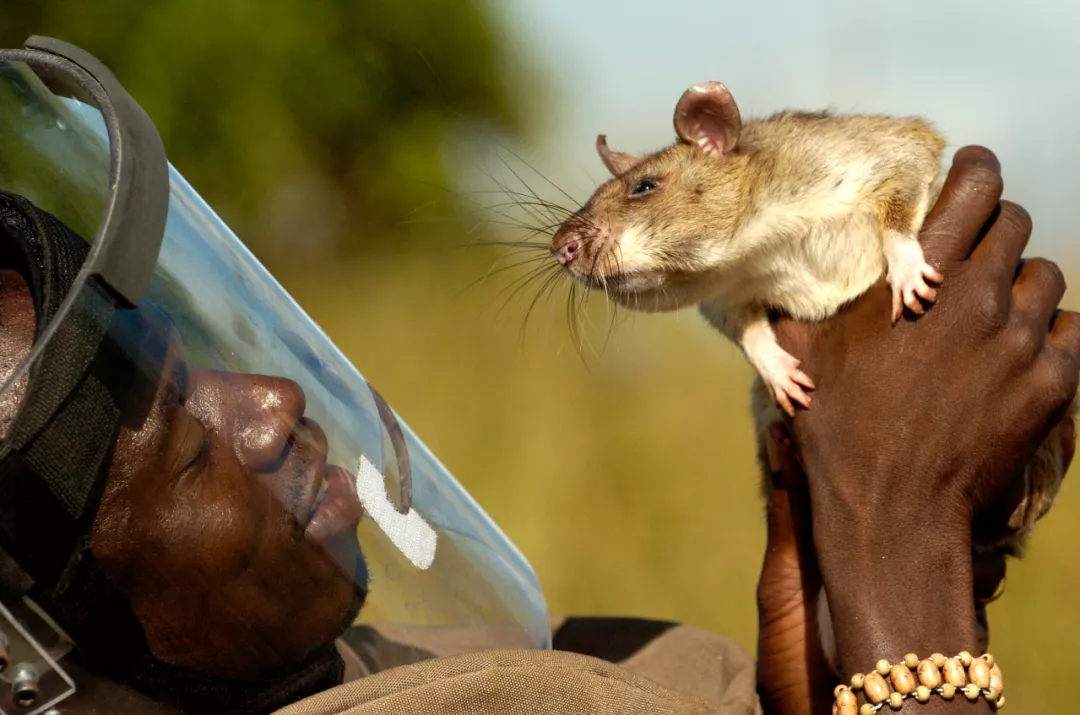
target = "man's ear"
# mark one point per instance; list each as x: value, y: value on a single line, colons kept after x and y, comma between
x: 708, y: 117
x: 615, y: 161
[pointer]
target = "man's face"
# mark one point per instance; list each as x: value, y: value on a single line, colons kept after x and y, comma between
x: 210, y: 522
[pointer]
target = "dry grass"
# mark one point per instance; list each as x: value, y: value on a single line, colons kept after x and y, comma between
x: 629, y: 485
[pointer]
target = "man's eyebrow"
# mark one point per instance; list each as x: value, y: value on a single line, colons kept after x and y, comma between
x: 183, y: 375
x: 179, y: 376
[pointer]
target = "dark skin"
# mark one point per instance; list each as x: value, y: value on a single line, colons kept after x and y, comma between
x: 894, y: 551
x: 206, y: 520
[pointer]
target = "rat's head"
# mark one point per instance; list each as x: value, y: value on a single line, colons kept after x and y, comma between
x: 660, y: 233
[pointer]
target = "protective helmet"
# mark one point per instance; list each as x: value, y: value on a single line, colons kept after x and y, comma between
x: 199, y: 494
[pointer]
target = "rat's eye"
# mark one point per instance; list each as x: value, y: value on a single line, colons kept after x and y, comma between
x: 645, y: 186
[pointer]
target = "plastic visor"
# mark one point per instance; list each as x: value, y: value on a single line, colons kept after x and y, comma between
x: 433, y: 556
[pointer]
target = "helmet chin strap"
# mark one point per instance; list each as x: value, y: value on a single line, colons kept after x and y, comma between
x: 46, y: 476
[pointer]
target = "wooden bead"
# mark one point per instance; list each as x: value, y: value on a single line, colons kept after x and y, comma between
x: 838, y: 689
x: 996, y: 683
x: 964, y: 658
x: 867, y: 709
x: 903, y: 681
x: 896, y: 701
x: 938, y: 659
x: 989, y: 659
x: 911, y: 661
x: 971, y: 692
x: 856, y: 681
x: 929, y: 674
x: 883, y: 667
x: 948, y: 690
x: 1000, y: 702
x: 875, y: 688
x: 846, y: 704
x: 954, y: 673
x: 979, y: 673
x: 922, y: 693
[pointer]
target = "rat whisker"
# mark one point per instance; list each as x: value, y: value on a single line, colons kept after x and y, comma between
x: 514, y: 246
x: 542, y: 176
x: 545, y: 288
x: 611, y: 323
x: 495, y: 271
x: 527, y: 208
x: 523, y: 282
x: 518, y: 177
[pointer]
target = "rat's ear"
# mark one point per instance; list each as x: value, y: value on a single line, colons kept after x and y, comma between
x: 707, y: 116
x: 615, y: 161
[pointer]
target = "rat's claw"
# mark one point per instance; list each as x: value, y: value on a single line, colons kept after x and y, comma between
x: 786, y: 384
x: 907, y: 275
x: 780, y: 372
x: 801, y: 378
x: 785, y: 393
x: 911, y: 289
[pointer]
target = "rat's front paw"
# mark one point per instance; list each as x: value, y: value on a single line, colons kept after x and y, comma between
x: 781, y: 374
x: 908, y: 273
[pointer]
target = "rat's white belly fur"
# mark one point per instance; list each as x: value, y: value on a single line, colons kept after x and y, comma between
x: 808, y: 264
x: 815, y: 252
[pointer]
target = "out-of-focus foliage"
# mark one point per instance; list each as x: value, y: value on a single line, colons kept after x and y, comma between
x: 306, y: 124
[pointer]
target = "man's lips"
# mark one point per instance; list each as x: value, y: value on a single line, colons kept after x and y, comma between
x: 337, y: 507
x: 323, y: 497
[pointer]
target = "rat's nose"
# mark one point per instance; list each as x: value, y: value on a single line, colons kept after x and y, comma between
x: 565, y: 253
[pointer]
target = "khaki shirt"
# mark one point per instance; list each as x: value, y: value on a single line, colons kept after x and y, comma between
x: 599, y: 665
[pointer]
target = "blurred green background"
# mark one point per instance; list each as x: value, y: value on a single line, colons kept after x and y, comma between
x: 348, y: 142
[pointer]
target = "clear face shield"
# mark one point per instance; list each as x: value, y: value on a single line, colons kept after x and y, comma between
x: 197, y: 489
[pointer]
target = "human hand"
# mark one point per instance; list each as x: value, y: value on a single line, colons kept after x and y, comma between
x: 917, y: 428
x: 793, y: 673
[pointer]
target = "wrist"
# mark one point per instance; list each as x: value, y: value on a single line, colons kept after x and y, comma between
x: 897, y: 587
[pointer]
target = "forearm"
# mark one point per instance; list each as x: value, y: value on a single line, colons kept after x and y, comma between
x: 895, y: 589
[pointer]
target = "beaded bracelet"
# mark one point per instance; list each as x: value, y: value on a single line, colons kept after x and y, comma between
x: 937, y: 675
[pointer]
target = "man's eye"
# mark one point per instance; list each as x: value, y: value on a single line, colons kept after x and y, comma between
x: 645, y: 186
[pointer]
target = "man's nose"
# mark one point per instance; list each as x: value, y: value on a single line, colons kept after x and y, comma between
x: 259, y: 411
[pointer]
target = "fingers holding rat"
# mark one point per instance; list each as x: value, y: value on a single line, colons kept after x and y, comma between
x: 971, y: 193
x: 1002, y: 252
x: 1065, y: 333
x: 1037, y: 291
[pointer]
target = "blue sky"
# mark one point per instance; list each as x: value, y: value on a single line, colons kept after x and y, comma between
x: 1003, y: 74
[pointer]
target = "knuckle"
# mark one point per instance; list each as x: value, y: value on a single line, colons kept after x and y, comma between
x: 1047, y: 272
x: 990, y: 309
x: 1060, y: 380
x: 1015, y: 217
x: 1066, y: 331
x: 1022, y: 343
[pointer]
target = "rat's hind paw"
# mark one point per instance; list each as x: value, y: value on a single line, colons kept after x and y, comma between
x: 908, y: 273
x: 785, y: 380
